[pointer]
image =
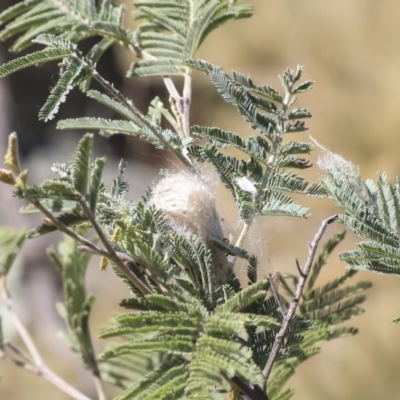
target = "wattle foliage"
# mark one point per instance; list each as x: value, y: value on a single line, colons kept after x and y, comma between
x: 184, y: 334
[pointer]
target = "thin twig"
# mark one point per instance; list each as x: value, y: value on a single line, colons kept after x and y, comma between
x: 181, y: 106
x: 242, y: 238
x: 128, y: 103
x: 128, y: 261
x: 18, y: 351
x: 63, y: 228
x: 99, y: 388
x: 172, y: 90
x: 37, y: 366
x: 243, y: 234
x: 25, y: 336
x: 183, y: 103
x: 110, y: 252
x: 186, y: 103
x: 296, y: 298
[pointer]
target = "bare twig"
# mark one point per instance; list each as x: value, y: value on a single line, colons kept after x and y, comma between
x: 18, y: 351
x: 243, y: 234
x: 99, y: 388
x: 296, y: 298
x: 172, y: 90
x: 37, y: 366
x: 182, y: 103
x: 186, y: 103
x: 242, y: 238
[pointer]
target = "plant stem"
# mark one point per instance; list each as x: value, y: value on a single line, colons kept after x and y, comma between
x: 304, y: 273
x: 25, y: 336
x: 99, y: 388
x: 270, y: 166
x: 186, y: 102
x: 110, y: 252
x: 63, y: 228
x: 183, y: 103
x: 128, y: 103
x: 38, y: 365
x: 243, y: 233
x: 249, y: 392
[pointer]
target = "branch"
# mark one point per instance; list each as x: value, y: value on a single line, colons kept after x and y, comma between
x: 243, y: 234
x: 183, y: 102
x: 304, y: 273
x: 110, y: 252
x: 128, y: 261
x: 186, y: 103
x: 250, y: 393
x: 37, y: 366
x: 128, y: 103
x: 99, y: 388
x: 63, y: 228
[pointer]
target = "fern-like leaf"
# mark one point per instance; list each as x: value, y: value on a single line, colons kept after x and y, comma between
x: 74, y: 20
x: 370, y: 209
x: 170, y: 33
x: 38, y: 57
x: 59, y: 93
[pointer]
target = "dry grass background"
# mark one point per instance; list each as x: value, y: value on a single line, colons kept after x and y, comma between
x: 351, y: 50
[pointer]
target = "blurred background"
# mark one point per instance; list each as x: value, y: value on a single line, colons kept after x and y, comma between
x: 351, y: 50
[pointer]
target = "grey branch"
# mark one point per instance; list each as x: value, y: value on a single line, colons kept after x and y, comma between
x: 304, y: 273
x: 37, y: 364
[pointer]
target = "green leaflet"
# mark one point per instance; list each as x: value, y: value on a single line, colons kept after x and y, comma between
x: 35, y: 58
x: 112, y: 104
x: 156, y: 380
x: 372, y: 210
x: 80, y: 182
x: 10, y: 244
x: 59, y: 93
x: 171, y: 32
x: 328, y: 306
x: 173, y: 332
x: 81, y: 165
x: 74, y: 20
x: 258, y: 181
x: 76, y: 307
x: 183, y: 334
x: 109, y: 126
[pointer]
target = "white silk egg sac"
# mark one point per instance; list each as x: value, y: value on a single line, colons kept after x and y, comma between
x: 190, y: 207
